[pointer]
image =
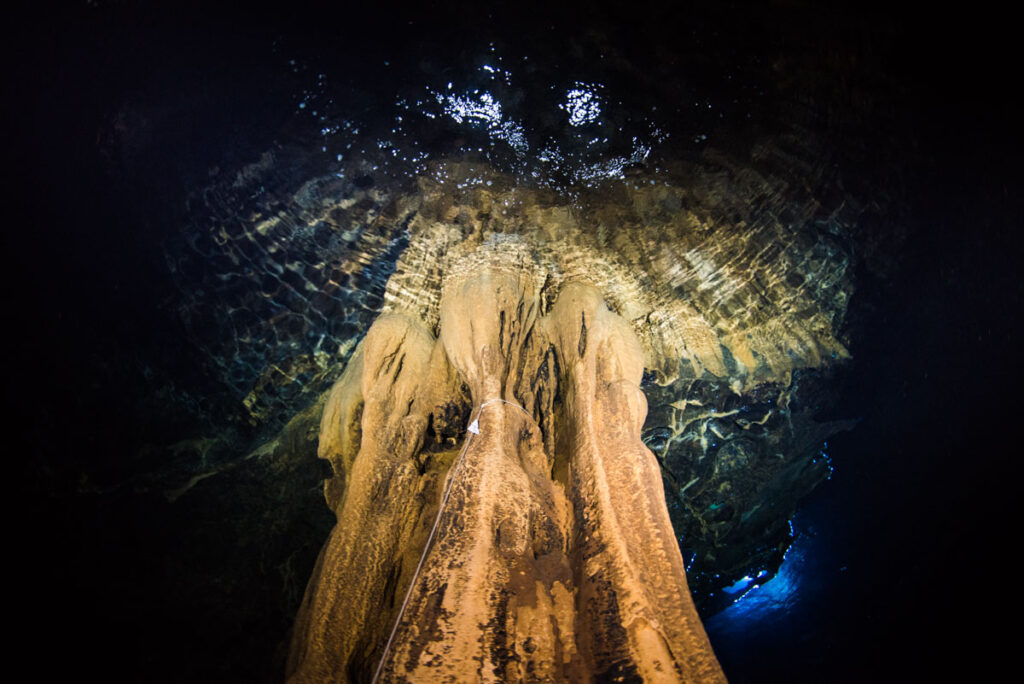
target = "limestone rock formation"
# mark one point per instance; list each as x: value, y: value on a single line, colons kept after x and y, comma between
x: 553, y: 557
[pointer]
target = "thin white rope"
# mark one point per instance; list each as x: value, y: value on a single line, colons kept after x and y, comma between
x: 440, y: 510
x: 433, y: 530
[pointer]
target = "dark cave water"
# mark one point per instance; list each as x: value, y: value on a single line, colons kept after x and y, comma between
x: 898, y: 563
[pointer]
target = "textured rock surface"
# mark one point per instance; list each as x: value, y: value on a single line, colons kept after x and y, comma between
x: 733, y: 271
x: 554, y: 557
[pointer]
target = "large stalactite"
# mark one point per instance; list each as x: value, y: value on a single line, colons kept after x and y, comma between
x: 554, y: 558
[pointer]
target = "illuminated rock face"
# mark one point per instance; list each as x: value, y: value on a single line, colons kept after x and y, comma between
x: 554, y: 558
x: 539, y: 544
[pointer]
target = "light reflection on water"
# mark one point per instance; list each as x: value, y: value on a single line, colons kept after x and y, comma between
x: 760, y: 606
x: 582, y: 103
x: 541, y: 130
x: 792, y: 606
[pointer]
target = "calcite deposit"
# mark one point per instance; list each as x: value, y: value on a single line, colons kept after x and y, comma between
x: 554, y: 558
